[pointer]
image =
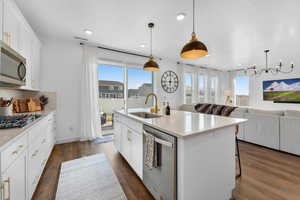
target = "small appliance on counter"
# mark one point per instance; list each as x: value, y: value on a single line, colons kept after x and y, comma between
x: 17, y: 121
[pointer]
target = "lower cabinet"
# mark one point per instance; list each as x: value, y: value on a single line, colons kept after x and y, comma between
x: 14, y: 180
x: 129, y: 142
x: 28, y: 156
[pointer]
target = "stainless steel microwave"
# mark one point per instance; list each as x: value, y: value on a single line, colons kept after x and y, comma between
x: 12, y: 67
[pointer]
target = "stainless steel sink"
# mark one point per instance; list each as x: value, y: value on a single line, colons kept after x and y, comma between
x: 145, y: 115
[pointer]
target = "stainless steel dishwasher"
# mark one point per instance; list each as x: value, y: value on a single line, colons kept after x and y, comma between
x: 161, y: 180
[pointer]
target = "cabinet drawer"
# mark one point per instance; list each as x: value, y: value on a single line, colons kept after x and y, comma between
x: 12, y: 152
x: 134, y: 125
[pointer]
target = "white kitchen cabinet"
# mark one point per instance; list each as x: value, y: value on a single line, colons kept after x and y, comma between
x: 126, y: 143
x: 20, y: 36
x: 23, y: 160
x: 128, y: 140
x: 36, y: 63
x: 1, y: 19
x: 117, y: 134
x: 11, y: 25
x: 14, y: 180
x: 137, y: 152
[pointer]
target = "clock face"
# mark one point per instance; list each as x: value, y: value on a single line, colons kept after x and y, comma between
x: 169, y: 81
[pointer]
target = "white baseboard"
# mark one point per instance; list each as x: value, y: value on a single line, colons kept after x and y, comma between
x: 67, y: 140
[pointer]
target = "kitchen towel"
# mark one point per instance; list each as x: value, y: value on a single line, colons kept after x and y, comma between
x: 150, y: 160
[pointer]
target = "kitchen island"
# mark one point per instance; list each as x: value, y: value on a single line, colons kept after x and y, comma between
x: 204, y: 166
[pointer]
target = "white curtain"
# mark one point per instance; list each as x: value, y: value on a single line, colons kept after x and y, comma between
x: 90, y: 112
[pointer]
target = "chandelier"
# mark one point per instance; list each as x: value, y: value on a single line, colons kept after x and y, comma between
x: 252, y: 70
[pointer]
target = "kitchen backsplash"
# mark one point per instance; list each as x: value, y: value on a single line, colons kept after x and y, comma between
x: 9, y: 93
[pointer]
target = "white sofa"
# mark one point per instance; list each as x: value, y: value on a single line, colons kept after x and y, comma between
x: 290, y: 132
x: 262, y: 127
x: 276, y: 129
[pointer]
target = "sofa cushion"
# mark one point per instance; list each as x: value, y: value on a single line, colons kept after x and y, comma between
x: 210, y: 108
x: 201, y: 108
x: 227, y: 110
x: 187, y: 107
x: 258, y: 111
x: 292, y: 113
x: 217, y: 110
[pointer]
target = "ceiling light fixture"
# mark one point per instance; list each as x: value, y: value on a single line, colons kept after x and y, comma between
x: 88, y: 32
x: 180, y: 16
x: 142, y: 45
x: 252, y: 70
x: 194, y: 48
x: 151, y: 65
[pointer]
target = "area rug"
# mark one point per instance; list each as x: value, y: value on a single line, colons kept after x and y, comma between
x: 103, y: 139
x: 88, y: 178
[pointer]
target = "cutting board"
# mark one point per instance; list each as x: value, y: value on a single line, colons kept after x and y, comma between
x: 27, y: 105
x: 34, y: 105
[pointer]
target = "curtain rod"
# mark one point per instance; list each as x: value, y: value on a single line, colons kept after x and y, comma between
x: 121, y: 51
x: 201, y: 67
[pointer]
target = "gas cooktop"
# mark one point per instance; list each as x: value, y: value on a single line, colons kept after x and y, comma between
x: 18, y: 121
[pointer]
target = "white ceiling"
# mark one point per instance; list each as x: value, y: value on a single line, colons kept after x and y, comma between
x: 235, y: 31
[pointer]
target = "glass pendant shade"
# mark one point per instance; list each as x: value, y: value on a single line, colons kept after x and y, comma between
x: 151, y: 65
x: 194, y: 48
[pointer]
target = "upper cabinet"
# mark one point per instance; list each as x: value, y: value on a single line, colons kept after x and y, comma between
x: 1, y: 18
x: 17, y: 33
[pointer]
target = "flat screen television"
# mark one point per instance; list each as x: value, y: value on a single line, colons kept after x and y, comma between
x: 282, y: 91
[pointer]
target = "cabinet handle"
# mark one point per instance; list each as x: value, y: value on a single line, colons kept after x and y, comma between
x: 18, y: 149
x: 8, y: 183
x: 128, y: 135
x: 35, y: 153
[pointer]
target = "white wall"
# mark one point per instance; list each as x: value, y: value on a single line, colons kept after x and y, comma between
x: 60, y: 73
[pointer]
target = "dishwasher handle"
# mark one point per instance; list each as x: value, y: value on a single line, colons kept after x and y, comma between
x: 160, y: 141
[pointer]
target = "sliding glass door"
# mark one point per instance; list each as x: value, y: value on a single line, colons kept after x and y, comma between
x: 121, y: 87
x: 139, y: 86
x: 111, y: 92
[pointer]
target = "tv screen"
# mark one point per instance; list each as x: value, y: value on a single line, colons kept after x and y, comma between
x: 287, y: 90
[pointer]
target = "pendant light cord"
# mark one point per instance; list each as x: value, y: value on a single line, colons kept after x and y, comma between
x: 193, y: 16
x: 151, y: 41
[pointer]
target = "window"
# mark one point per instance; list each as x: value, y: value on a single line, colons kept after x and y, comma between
x: 188, y: 88
x: 241, y: 91
x: 139, y: 85
x: 213, y: 89
x: 201, y: 88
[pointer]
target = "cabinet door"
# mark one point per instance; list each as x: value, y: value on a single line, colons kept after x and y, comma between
x: 14, y: 180
x: 1, y: 19
x: 117, y: 135
x: 35, y: 67
x: 126, y: 143
x: 137, y: 153
x: 11, y: 25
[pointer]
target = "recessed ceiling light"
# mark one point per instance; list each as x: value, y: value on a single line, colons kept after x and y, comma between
x: 180, y: 16
x: 88, y: 32
x: 143, y: 45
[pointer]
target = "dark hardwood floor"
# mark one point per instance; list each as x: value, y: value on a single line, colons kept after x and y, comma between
x: 267, y: 174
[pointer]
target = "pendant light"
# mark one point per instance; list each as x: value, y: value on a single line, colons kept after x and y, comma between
x: 194, y: 48
x: 151, y: 65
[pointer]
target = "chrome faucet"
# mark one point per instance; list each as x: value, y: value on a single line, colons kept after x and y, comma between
x: 155, y: 109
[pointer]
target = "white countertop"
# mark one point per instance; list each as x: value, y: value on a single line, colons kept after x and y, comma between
x: 183, y: 124
x: 9, y: 135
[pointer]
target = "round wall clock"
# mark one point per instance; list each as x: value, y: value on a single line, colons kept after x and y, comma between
x: 169, y: 81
